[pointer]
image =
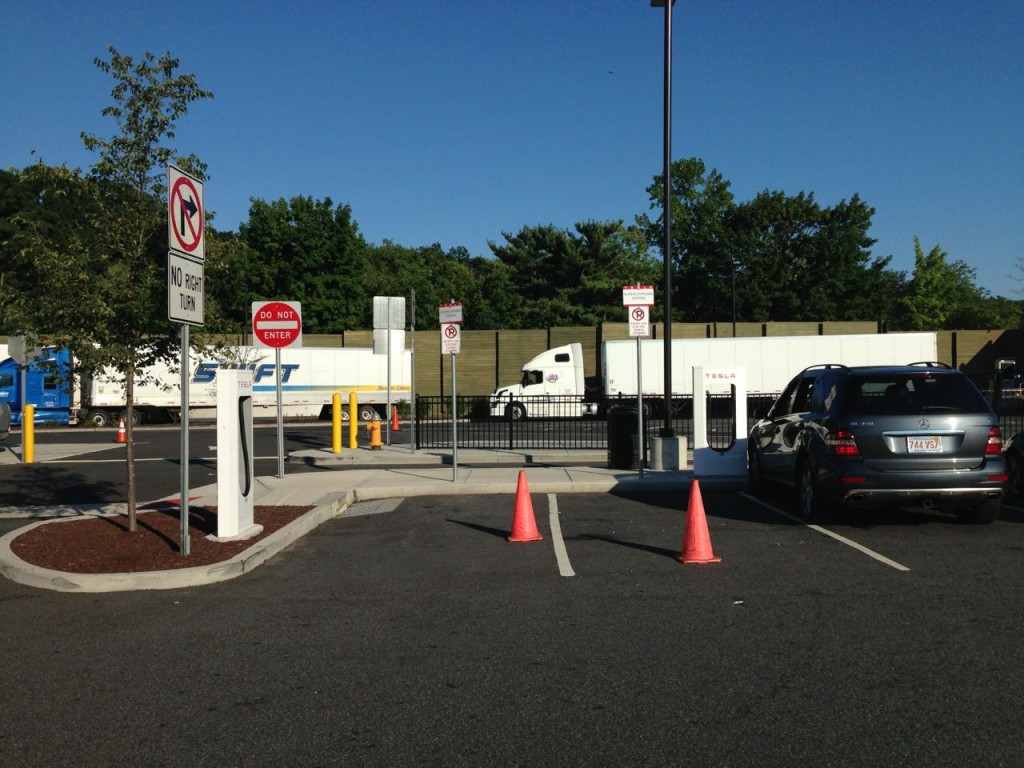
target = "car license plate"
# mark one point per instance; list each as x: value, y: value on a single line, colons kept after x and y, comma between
x: 931, y: 444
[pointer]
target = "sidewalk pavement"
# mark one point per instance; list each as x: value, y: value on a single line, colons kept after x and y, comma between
x: 349, y: 479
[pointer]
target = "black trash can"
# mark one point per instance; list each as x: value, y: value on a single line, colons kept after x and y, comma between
x: 624, y: 444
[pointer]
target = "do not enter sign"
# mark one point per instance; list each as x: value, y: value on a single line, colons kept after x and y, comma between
x: 277, y: 324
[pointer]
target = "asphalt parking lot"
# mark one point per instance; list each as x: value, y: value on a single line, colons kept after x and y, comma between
x: 414, y: 633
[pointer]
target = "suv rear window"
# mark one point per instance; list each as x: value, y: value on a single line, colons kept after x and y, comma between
x: 912, y: 393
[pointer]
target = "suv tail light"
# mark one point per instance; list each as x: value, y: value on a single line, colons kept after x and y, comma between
x: 994, y: 447
x: 842, y: 443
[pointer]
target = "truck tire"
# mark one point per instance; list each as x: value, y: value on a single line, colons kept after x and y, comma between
x: 368, y: 413
x: 97, y: 418
x: 327, y: 414
x: 515, y: 411
x: 138, y: 417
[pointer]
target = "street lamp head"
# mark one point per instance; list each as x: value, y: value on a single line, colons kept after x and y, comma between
x: 660, y: 3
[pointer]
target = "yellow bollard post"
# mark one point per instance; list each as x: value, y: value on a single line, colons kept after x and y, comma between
x: 28, y: 434
x: 336, y: 423
x: 353, y: 419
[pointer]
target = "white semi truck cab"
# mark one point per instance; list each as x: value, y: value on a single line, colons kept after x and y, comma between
x: 552, y: 386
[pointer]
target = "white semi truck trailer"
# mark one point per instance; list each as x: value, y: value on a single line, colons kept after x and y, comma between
x: 553, y: 383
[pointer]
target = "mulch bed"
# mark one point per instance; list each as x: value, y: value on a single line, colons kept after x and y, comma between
x: 104, y: 545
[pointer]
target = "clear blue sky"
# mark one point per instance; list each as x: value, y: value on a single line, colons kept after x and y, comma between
x: 453, y: 121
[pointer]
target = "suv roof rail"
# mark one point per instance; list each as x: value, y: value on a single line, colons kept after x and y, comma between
x: 931, y: 364
x: 823, y: 366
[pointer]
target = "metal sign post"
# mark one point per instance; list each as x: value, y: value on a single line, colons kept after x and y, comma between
x: 412, y: 372
x: 636, y: 299
x: 639, y: 410
x: 185, y: 546
x: 450, y: 317
x: 280, y: 413
x: 455, y: 427
x: 186, y: 243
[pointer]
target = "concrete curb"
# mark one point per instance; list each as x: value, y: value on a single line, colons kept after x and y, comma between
x: 17, y: 570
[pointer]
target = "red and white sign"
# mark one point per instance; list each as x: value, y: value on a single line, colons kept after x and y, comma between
x: 185, y: 214
x: 449, y: 313
x: 451, y: 339
x: 639, y: 321
x: 277, y: 324
x: 638, y: 295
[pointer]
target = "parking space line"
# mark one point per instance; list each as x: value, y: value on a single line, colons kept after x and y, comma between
x: 561, y: 555
x: 841, y: 539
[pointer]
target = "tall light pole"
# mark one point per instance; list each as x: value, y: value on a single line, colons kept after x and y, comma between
x: 667, y: 430
x: 734, y: 265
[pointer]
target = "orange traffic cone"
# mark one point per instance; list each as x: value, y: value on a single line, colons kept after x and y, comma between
x: 394, y: 418
x: 524, y: 525
x: 697, y: 542
x: 122, y: 436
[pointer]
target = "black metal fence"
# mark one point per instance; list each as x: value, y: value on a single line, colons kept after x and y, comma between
x: 561, y: 426
x: 559, y: 422
x: 1007, y: 400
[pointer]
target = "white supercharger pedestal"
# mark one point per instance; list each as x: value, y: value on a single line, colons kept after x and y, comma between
x: 706, y: 460
x: 235, y: 481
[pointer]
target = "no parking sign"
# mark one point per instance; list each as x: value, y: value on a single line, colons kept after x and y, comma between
x: 451, y: 339
x: 639, y: 321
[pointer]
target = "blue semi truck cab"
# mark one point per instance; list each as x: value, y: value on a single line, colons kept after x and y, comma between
x: 48, y: 387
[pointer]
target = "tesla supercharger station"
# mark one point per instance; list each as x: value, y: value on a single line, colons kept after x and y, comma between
x: 235, y: 481
x: 708, y: 461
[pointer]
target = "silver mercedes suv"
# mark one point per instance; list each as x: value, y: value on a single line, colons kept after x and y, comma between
x: 917, y: 435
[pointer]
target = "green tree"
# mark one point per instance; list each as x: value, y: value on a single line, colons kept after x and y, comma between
x: 793, y: 259
x: 494, y: 299
x: 567, y: 278
x: 112, y: 252
x: 437, y: 276
x: 310, y: 251
x: 989, y: 312
x: 941, y: 294
x: 227, y: 300
x: 702, y: 258
x: 48, y: 235
x: 801, y: 261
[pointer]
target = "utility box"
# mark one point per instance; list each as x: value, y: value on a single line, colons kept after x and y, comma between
x: 235, y: 481
x: 625, y: 443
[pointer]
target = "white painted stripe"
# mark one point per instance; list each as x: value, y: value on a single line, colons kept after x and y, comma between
x: 841, y: 539
x: 561, y: 555
x: 277, y: 325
